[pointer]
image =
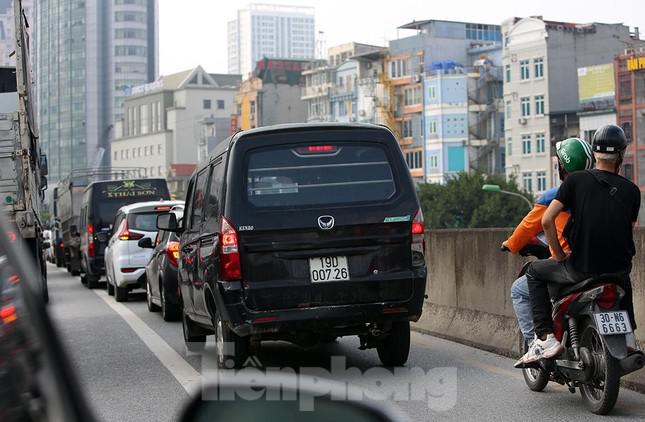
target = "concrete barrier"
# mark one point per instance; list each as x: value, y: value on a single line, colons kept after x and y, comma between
x: 469, y: 291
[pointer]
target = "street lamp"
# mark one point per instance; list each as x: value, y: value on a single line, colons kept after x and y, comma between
x: 498, y: 189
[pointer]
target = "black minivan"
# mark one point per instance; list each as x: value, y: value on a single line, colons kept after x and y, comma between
x: 302, y: 233
x: 101, y: 201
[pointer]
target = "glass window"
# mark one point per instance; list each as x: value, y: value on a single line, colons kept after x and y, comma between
x: 509, y: 146
x: 526, y: 144
x: 198, y: 198
x: 207, y: 104
x: 527, y: 182
x: 524, y: 70
x: 509, y: 108
x: 144, y: 221
x: 220, y: 104
x: 539, y: 105
x: 432, y: 126
x: 507, y: 72
x: 538, y: 67
x: 526, y: 106
x: 434, y: 161
x: 541, y: 181
x: 432, y: 93
x: 540, y: 146
x: 406, y: 129
x: 307, y: 175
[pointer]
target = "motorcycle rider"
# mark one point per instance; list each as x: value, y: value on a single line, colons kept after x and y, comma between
x: 604, y: 207
x: 573, y: 154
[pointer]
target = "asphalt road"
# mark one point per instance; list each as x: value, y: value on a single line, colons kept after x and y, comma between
x: 134, y: 367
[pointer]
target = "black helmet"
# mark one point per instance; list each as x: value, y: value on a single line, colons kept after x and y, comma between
x: 610, y: 139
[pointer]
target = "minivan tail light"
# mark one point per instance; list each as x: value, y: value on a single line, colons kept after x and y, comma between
x: 128, y: 235
x: 418, y: 247
x: 90, y: 241
x: 229, y: 253
x: 172, y: 252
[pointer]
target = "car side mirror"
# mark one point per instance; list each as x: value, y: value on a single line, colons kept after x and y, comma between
x: 145, y: 243
x: 167, y: 222
x: 102, y: 237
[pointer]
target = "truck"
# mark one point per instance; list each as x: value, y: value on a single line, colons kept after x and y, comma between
x: 23, y: 167
x: 69, y: 196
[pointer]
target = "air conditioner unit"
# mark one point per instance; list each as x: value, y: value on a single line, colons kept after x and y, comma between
x: 522, y: 121
x: 416, y: 78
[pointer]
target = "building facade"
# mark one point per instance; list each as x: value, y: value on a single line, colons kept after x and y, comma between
x: 7, y: 31
x: 173, y: 123
x: 272, y: 95
x: 89, y: 54
x: 630, y: 114
x: 264, y: 30
x: 541, y: 99
x: 443, y: 109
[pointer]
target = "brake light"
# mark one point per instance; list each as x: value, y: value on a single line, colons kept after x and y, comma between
x: 8, y: 314
x: 163, y: 208
x: 317, y: 149
x: 229, y: 253
x: 129, y: 270
x: 418, y: 247
x: 12, y: 236
x: 62, y: 245
x: 127, y: 235
x: 90, y: 241
x: 172, y: 252
x: 608, y: 297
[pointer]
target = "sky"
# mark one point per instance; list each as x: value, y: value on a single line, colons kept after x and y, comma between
x: 193, y: 32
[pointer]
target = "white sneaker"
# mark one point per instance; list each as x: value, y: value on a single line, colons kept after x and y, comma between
x: 541, y: 349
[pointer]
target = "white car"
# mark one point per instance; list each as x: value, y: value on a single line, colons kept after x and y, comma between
x: 125, y: 260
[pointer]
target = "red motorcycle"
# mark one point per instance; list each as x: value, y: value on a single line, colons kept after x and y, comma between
x: 592, y: 327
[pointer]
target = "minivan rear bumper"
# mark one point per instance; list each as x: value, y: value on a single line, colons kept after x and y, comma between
x: 338, y: 319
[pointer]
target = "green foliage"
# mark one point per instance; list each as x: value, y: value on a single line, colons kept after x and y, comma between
x: 461, y: 203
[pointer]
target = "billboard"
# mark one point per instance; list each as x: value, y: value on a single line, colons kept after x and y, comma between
x: 596, y: 86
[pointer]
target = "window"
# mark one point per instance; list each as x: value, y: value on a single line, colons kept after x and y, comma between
x: 526, y: 106
x: 539, y: 143
x: 143, y: 121
x: 509, y: 146
x: 509, y: 108
x: 406, y: 128
x: 539, y: 105
x: 434, y: 161
x: 159, y: 148
x: 526, y: 144
x: 207, y: 104
x: 160, y: 171
x: 538, y: 67
x: 414, y: 160
x: 220, y: 104
x: 524, y: 70
x: 527, y: 182
x: 345, y: 174
x: 432, y: 93
x: 398, y: 68
x: 541, y: 181
x: 198, y: 199
x: 116, y: 156
x: 140, y: 154
x: 412, y: 96
x: 432, y: 126
x: 507, y: 73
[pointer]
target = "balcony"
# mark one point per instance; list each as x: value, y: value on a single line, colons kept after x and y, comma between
x: 316, y: 91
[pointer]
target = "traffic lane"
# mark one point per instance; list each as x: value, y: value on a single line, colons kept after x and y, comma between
x: 487, y: 387
x: 122, y: 379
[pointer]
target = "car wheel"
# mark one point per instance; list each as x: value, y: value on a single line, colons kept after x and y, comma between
x: 194, y: 342
x: 92, y: 281
x: 121, y: 294
x: 169, y: 311
x: 109, y: 287
x: 83, y: 278
x: 151, y: 306
x: 232, y: 350
x: 395, y: 347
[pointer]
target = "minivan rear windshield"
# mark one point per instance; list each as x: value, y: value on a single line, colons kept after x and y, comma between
x: 144, y: 221
x: 308, y: 175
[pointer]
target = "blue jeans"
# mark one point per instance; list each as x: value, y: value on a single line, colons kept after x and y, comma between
x: 522, y: 306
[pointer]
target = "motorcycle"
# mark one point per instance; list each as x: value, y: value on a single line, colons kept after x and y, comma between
x: 592, y: 327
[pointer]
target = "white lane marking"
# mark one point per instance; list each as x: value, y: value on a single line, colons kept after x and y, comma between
x: 185, y: 374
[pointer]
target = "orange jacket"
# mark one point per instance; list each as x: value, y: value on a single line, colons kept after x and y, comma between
x: 531, y: 225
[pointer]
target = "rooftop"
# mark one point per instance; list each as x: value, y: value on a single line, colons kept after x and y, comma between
x: 419, y: 24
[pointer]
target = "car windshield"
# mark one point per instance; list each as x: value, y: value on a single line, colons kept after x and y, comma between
x: 305, y: 175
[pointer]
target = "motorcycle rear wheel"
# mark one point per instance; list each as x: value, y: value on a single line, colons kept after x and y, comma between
x: 601, y: 393
x: 536, y: 378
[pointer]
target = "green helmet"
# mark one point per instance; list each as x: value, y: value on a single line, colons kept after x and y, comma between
x: 574, y: 154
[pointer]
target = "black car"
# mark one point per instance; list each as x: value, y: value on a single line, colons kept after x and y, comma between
x: 162, y: 290
x: 101, y: 201
x: 302, y: 233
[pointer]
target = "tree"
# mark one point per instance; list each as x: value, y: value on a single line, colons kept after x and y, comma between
x: 461, y: 203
